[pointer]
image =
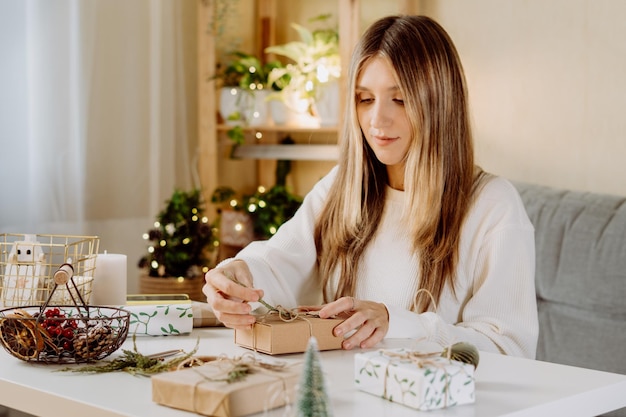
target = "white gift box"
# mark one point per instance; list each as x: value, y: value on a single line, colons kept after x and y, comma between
x: 420, y: 382
x: 160, y: 319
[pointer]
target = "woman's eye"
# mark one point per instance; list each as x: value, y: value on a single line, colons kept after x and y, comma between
x: 364, y: 99
x: 398, y: 101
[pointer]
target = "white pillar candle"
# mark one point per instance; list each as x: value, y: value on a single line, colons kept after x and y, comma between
x: 109, y: 282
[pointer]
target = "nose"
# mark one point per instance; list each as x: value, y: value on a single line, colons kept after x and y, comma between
x: 379, y: 116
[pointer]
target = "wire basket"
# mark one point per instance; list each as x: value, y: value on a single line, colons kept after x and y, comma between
x: 27, y: 262
x: 66, y: 333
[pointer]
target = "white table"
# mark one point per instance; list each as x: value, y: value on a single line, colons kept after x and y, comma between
x: 505, y: 386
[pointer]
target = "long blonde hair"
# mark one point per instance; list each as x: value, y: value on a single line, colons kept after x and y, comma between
x: 439, y: 166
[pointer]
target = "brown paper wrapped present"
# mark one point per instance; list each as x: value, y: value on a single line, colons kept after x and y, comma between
x: 275, y: 336
x: 203, y: 390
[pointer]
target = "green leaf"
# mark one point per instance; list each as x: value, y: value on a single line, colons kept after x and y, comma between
x: 236, y: 134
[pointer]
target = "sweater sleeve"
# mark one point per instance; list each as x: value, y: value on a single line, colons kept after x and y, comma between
x: 284, y: 266
x: 499, y: 313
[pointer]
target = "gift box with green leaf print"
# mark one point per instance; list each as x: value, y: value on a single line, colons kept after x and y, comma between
x: 420, y: 381
x: 159, y: 315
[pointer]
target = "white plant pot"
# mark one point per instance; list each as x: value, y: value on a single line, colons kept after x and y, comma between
x: 249, y: 107
x: 230, y: 104
x: 297, y: 112
x: 256, y: 111
x: 327, y: 103
x: 281, y: 114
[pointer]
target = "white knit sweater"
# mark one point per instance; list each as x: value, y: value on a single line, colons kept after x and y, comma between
x: 493, y: 306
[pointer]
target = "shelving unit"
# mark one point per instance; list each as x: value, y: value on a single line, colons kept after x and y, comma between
x: 210, y: 132
x: 295, y: 152
x: 211, y: 146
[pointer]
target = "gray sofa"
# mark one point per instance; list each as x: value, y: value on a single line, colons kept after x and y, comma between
x: 580, y: 277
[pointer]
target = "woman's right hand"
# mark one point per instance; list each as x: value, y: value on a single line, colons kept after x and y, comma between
x: 229, y: 291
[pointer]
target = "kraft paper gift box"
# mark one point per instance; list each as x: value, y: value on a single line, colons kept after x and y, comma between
x: 199, y: 390
x: 274, y: 336
x: 425, y: 383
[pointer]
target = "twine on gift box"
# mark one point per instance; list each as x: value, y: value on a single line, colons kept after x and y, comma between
x: 286, y: 316
x: 462, y: 352
x: 236, y: 369
x: 421, y: 360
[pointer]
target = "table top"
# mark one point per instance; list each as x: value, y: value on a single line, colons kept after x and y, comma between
x: 505, y: 386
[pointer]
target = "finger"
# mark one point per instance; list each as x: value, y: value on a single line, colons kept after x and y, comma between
x: 218, y: 281
x: 341, y: 305
x: 365, y: 331
x: 237, y: 321
x: 374, y: 339
x: 231, y: 313
x: 229, y: 306
x: 237, y: 292
x: 346, y: 327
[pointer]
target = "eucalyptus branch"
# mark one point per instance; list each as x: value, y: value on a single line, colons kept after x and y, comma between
x: 135, y: 363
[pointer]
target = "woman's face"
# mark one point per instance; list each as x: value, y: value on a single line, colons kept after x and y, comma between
x: 382, y: 115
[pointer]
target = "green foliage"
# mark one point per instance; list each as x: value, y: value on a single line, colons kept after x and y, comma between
x: 236, y: 134
x: 267, y: 209
x: 181, y: 238
x: 135, y: 363
x: 247, y: 71
x: 316, y: 50
x: 312, y: 396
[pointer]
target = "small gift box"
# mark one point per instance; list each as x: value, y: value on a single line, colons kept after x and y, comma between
x: 205, y: 390
x: 159, y: 315
x: 421, y: 382
x: 274, y: 335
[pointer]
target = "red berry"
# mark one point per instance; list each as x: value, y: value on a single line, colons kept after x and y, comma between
x: 68, y: 333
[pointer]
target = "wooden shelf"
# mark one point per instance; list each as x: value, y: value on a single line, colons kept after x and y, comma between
x: 281, y: 129
x: 321, y: 141
x: 293, y: 152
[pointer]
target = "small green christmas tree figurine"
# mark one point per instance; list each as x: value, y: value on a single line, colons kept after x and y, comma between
x: 312, y: 396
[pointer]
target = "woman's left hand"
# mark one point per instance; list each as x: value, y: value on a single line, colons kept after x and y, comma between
x: 368, y: 318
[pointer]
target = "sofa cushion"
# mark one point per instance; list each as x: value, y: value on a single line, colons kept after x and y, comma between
x: 580, y: 275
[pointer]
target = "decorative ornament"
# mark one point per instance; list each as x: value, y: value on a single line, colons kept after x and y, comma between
x: 462, y: 352
x: 312, y: 395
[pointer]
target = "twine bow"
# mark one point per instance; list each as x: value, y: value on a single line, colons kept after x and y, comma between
x: 236, y: 369
x: 420, y: 360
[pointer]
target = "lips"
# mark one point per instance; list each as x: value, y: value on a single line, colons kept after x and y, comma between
x: 383, y: 140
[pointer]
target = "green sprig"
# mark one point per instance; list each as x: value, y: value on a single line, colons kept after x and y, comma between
x: 135, y: 363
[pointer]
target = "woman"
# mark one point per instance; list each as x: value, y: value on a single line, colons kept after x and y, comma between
x: 406, y: 236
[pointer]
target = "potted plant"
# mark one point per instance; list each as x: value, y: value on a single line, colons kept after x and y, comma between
x: 179, y: 251
x: 312, y: 73
x: 256, y: 216
x: 244, y: 90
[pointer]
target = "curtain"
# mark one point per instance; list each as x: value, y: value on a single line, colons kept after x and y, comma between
x: 97, y: 117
